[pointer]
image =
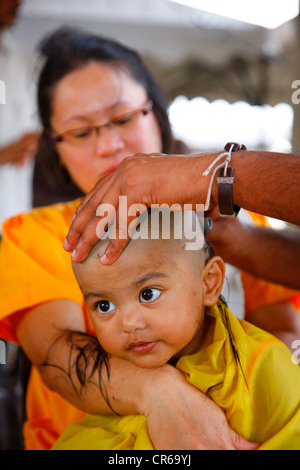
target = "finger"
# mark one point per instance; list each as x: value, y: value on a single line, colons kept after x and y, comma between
x: 240, y: 443
x: 106, y: 223
x: 88, y: 228
x: 86, y: 199
x: 113, y: 251
x: 79, y: 223
x: 86, y: 242
x: 125, y: 225
x: 94, y: 197
x: 76, y: 230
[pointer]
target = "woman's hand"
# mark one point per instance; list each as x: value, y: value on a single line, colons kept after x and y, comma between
x: 180, y: 417
x: 143, y: 179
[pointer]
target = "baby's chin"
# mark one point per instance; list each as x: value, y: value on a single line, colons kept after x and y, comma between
x: 147, y: 363
x: 150, y: 366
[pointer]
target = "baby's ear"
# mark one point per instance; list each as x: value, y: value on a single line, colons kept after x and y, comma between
x: 213, y: 278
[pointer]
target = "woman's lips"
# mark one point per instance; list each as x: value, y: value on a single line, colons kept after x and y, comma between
x: 142, y: 348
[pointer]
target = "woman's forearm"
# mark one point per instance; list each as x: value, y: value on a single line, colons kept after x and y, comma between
x: 69, y: 360
x: 78, y: 369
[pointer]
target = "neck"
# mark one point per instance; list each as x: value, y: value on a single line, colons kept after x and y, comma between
x: 202, y: 339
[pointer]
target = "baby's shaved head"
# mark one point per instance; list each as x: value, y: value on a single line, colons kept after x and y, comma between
x: 157, y: 236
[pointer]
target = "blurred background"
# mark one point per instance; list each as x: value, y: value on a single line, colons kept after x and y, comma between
x: 228, y: 77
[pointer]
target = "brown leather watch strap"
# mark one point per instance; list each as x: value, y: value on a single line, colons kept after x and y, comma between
x: 235, y: 147
x: 225, y: 183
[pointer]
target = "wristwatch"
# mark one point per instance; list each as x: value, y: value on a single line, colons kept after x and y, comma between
x: 225, y: 182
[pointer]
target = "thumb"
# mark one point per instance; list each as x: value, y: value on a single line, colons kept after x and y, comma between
x: 239, y: 443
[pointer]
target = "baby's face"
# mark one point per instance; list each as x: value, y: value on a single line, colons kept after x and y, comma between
x: 148, y: 306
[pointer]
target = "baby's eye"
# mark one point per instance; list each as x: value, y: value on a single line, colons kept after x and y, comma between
x: 105, y: 306
x: 149, y: 294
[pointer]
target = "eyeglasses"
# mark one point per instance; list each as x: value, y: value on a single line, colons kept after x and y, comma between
x: 84, y: 136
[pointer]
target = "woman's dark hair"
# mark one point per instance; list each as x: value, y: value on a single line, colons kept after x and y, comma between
x: 69, y: 49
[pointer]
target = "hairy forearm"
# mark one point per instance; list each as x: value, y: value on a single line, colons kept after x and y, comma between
x: 270, y: 254
x: 267, y: 183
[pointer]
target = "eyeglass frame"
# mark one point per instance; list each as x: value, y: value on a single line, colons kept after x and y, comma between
x: 57, y: 138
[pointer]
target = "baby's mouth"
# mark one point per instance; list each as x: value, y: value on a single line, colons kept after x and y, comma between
x: 142, y: 347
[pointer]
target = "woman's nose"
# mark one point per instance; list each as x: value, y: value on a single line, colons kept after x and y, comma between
x: 133, y: 320
x: 108, y: 142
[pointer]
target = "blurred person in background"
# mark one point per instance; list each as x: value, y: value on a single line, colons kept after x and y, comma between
x: 18, y: 144
x: 18, y: 120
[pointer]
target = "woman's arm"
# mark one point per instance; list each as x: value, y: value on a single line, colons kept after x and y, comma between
x: 19, y: 151
x: 179, y: 416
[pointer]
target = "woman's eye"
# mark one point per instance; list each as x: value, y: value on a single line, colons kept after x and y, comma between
x: 82, y: 133
x: 121, y: 121
x: 149, y: 294
x: 105, y: 306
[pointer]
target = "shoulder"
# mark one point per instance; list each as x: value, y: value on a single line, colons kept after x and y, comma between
x: 54, y: 219
x: 273, y: 382
x: 275, y: 385
x: 259, y: 351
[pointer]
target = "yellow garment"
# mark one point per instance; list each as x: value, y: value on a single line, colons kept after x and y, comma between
x: 34, y: 268
x: 260, y: 395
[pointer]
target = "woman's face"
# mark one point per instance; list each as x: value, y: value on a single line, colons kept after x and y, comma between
x: 92, y: 96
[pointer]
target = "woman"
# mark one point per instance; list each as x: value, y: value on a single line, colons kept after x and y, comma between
x: 98, y: 105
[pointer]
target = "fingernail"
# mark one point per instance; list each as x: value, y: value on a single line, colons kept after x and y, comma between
x: 103, y: 259
x: 74, y: 253
x: 66, y: 244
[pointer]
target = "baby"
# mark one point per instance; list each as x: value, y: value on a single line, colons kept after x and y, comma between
x: 159, y: 303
